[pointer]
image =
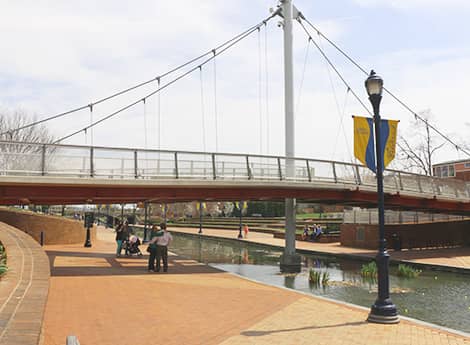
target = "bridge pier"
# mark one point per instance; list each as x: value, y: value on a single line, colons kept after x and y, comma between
x: 290, y: 261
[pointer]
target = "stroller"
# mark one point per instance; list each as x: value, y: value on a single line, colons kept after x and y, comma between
x: 131, y: 246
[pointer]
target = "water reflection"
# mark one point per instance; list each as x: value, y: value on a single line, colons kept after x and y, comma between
x: 441, y: 298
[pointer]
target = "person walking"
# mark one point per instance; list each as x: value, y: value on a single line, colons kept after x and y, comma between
x: 162, y: 247
x: 154, y: 234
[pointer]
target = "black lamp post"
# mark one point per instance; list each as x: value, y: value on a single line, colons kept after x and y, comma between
x: 240, y: 236
x: 383, y: 310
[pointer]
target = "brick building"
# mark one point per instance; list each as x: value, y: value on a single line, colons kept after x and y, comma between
x: 454, y: 169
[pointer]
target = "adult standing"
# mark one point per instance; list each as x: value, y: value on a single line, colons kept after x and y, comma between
x: 154, y: 234
x: 120, y: 236
x: 162, y: 247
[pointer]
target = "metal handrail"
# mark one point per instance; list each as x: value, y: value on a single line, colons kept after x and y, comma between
x: 174, y: 165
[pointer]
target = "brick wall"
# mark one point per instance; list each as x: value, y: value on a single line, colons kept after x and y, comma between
x: 424, y: 235
x: 57, y: 230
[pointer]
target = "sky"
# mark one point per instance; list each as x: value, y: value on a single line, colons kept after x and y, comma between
x: 59, y: 55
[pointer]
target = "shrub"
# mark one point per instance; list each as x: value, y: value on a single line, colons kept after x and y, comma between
x: 325, y: 278
x: 407, y: 271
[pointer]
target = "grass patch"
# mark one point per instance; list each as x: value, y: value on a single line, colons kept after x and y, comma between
x: 3, y: 260
x: 407, y: 271
x: 369, y: 270
x: 318, y: 278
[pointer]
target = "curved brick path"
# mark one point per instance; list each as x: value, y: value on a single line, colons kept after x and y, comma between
x: 106, y: 300
x: 24, y: 288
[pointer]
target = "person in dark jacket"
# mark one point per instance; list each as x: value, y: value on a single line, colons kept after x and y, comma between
x: 119, y: 238
x: 154, y: 234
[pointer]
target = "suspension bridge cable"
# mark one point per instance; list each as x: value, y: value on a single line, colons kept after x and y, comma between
x: 145, y: 124
x: 91, y: 121
x: 215, y: 54
x: 260, y: 96
x: 302, y: 78
x: 445, y: 137
x: 203, y: 122
x: 74, y: 110
x: 334, y: 68
x: 158, y: 116
x: 215, y: 106
x: 267, y: 85
x: 338, y: 108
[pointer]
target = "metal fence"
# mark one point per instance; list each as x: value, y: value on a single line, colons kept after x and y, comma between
x: 30, y: 159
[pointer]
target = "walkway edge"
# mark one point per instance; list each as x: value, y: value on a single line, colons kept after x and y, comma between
x: 26, y: 285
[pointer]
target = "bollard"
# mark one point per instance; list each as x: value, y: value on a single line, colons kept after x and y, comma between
x: 72, y: 340
x: 42, y: 238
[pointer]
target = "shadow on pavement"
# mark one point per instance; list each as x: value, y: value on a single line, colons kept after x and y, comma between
x: 75, y: 263
x: 261, y: 333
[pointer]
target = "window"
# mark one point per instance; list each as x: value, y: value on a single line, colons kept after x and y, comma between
x: 467, y: 165
x: 444, y: 171
x: 437, y: 171
x: 451, y: 171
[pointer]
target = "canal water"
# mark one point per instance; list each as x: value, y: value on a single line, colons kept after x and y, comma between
x: 438, y: 297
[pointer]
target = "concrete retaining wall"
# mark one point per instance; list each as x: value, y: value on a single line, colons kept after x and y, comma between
x: 423, y: 235
x: 57, y: 230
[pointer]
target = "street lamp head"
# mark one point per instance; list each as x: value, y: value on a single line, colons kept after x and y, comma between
x: 374, y: 84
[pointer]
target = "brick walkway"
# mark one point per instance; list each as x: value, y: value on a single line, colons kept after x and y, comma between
x: 23, y: 289
x: 107, y: 300
x: 448, y: 257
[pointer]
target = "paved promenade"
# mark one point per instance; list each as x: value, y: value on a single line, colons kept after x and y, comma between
x: 446, y: 257
x: 107, y: 300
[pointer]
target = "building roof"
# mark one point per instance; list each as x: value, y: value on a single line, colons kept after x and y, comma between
x: 453, y: 162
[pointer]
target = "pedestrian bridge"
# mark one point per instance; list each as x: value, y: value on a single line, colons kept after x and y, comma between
x: 70, y: 174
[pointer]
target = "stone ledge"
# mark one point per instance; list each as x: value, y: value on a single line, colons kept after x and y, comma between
x: 23, y: 289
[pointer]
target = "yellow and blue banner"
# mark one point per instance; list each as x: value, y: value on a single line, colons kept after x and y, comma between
x: 364, y: 148
x: 388, y: 136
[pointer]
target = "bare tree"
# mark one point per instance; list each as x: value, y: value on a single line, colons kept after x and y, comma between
x: 21, y: 149
x: 418, y: 146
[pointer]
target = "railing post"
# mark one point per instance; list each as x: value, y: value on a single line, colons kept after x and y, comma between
x: 92, y: 173
x: 279, y: 167
x: 135, y: 165
x: 214, y: 172
x: 358, y: 176
x: 248, y: 170
x: 400, y: 181
x: 308, y: 171
x: 334, y: 172
x: 43, y: 160
x: 176, y: 165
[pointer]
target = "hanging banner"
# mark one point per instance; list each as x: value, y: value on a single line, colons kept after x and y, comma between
x: 388, y: 136
x: 364, y: 149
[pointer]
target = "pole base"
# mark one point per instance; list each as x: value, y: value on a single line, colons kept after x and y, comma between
x: 383, y: 313
x: 87, y: 244
x: 290, y: 263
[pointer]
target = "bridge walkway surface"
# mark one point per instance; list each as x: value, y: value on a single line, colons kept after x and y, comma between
x: 448, y: 259
x: 107, y: 300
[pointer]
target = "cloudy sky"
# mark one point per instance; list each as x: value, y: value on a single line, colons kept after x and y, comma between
x: 59, y: 55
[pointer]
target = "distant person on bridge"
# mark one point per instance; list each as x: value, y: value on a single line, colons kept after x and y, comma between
x: 162, y: 247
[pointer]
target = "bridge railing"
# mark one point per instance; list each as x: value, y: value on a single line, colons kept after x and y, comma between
x: 30, y: 159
